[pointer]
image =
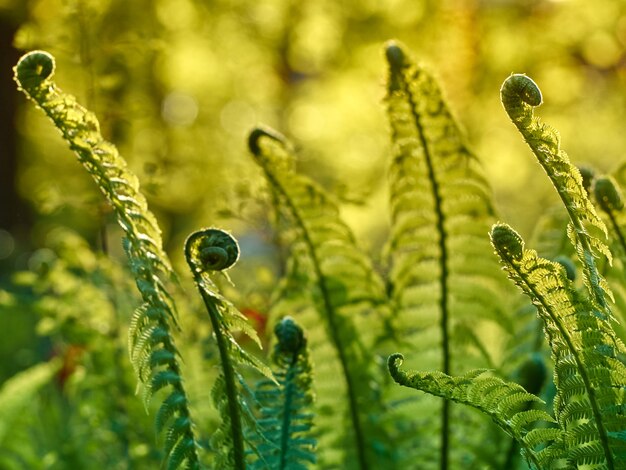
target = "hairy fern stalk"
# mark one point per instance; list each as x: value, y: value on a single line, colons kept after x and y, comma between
x: 151, y: 344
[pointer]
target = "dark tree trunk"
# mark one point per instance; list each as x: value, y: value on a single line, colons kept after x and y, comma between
x: 14, y: 214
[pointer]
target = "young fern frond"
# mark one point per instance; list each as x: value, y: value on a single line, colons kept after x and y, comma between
x: 346, y: 291
x: 609, y: 197
x: 520, y: 94
x: 443, y: 281
x: 589, y: 377
x: 506, y: 403
x: 151, y: 344
x: 215, y: 250
x: 286, y: 419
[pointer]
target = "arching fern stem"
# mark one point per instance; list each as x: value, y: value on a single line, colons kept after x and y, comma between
x: 520, y: 95
x: 156, y: 366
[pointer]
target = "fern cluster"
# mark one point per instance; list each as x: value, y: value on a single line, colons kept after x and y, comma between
x: 438, y: 294
x: 589, y: 372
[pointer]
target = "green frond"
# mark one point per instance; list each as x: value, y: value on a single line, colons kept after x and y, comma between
x: 347, y: 293
x: 586, y: 230
x: 293, y: 297
x: 213, y: 250
x: 285, y: 439
x: 440, y: 207
x: 590, y: 380
x: 506, y: 403
x: 443, y: 282
x: 142, y: 237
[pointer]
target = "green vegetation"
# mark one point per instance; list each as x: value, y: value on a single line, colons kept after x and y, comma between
x: 313, y: 343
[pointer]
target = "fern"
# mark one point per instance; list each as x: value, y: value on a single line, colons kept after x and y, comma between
x: 286, y: 419
x: 590, y: 380
x: 215, y: 250
x: 151, y: 344
x: 507, y: 404
x: 607, y: 193
x: 586, y: 230
x: 345, y: 291
x: 442, y: 281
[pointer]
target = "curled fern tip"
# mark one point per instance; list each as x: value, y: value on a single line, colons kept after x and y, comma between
x: 33, y: 68
x: 257, y: 134
x: 290, y: 335
x: 520, y: 87
x: 393, y: 364
x: 608, y: 194
x: 395, y: 55
x: 507, y: 242
x: 212, y: 250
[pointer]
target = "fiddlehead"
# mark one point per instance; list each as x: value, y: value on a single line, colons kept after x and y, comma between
x: 151, y: 345
x: 608, y: 194
x: 207, y: 251
x: 517, y: 91
x: 33, y: 68
x: 216, y: 250
x: 586, y: 230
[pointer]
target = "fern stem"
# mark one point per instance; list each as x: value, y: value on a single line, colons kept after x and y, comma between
x: 229, y: 381
x: 508, y: 257
x: 333, y: 328
x: 444, y: 451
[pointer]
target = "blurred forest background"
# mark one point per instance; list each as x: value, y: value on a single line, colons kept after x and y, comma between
x: 178, y: 84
